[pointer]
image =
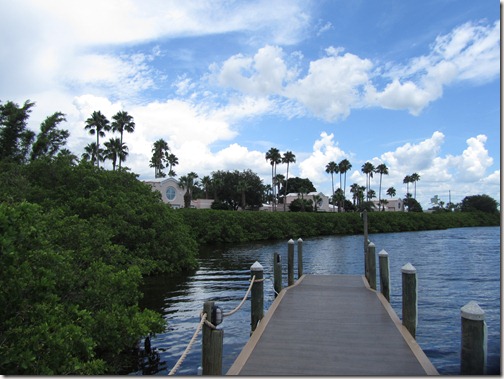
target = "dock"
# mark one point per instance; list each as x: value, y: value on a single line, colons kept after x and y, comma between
x: 331, y: 325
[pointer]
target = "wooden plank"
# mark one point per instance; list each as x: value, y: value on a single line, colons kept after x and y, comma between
x: 330, y: 325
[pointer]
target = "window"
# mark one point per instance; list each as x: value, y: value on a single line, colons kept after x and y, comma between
x: 170, y: 193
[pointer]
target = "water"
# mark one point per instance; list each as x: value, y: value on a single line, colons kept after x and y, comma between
x: 454, y: 266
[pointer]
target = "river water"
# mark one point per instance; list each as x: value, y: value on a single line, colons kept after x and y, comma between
x: 454, y: 266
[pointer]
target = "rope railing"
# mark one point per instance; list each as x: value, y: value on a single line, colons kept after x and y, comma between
x: 203, y: 320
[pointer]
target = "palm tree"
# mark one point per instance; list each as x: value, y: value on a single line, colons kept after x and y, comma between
x: 339, y: 198
x: 123, y: 122
x: 368, y: 169
x: 188, y: 183
x: 381, y: 169
x: 288, y: 158
x: 206, y: 182
x: 279, y: 180
x: 115, y: 150
x: 274, y: 157
x: 172, y: 161
x: 391, y: 192
x: 97, y: 124
x: 415, y: 178
x: 160, y: 151
x: 407, y: 180
x: 332, y: 168
x: 242, y: 188
x: 344, y: 166
x: 92, y: 153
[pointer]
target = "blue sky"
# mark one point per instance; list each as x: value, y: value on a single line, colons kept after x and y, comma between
x: 412, y: 84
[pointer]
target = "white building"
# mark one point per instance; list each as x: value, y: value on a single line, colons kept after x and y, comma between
x: 393, y: 205
x: 173, y: 194
x: 322, y: 204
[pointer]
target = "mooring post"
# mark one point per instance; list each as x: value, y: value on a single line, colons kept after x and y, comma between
x: 473, y: 356
x: 366, y: 242
x: 409, y: 298
x: 300, y: 257
x: 384, y: 274
x: 372, y: 265
x: 277, y: 273
x: 212, y: 344
x: 290, y: 262
x: 257, y: 295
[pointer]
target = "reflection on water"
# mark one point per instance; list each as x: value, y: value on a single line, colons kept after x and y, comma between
x: 453, y: 266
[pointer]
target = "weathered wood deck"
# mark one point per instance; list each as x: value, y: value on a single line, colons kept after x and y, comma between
x: 331, y: 325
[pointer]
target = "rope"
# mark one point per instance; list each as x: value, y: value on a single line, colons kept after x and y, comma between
x: 252, y: 281
x: 189, y: 346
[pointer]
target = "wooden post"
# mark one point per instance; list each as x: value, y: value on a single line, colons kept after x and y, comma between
x: 277, y: 273
x: 212, y: 344
x: 290, y: 262
x: 257, y: 296
x: 366, y: 242
x: 372, y: 265
x: 300, y: 257
x: 473, y: 356
x: 409, y: 298
x: 384, y: 274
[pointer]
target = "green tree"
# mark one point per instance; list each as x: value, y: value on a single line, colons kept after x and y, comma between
x: 338, y: 198
x: 407, y: 180
x: 381, y: 169
x: 344, y: 167
x: 123, y: 122
x: 332, y: 168
x: 115, y: 150
x: 15, y: 138
x: 97, y: 124
x: 92, y: 153
x: 232, y: 187
x: 172, y: 161
x: 160, y: 154
x: 368, y: 169
x: 391, y: 191
x: 274, y: 157
x: 482, y: 203
x: 296, y: 184
x: 414, y: 179
x: 50, y: 139
x: 188, y: 182
x: 287, y: 158
x: 411, y: 204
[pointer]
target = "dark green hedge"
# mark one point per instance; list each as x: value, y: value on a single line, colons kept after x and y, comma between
x: 212, y: 226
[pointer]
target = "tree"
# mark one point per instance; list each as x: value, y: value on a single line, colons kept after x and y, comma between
x: 381, y: 169
x: 338, y: 198
x: 391, y: 191
x: 97, y: 124
x: 206, y: 182
x: 332, y: 168
x: 407, y: 180
x: 482, y: 203
x: 160, y: 154
x: 411, y: 204
x: 115, y: 150
x: 344, y: 167
x: 15, y: 138
x: 274, y: 157
x: 172, y: 161
x: 234, y: 188
x: 368, y: 169
x: 287, y: 158
x: 188, y: 183
x: 50, y: 139
x: 414, y: 179
x: 123, y: 122
x: 92, y: 153
x: 296, y: 184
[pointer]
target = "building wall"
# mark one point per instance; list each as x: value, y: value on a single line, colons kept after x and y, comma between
x: 173, y: 194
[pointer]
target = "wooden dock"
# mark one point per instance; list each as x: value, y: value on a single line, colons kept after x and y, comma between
x: 331, y: 325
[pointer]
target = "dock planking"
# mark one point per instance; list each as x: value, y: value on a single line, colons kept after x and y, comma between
x: 331, y: 325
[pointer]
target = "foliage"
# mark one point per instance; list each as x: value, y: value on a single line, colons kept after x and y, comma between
x: 237, y: 189
x: 483, y: 203
x: 15, y: 138
x: 301, y: 205
x: 300, y: 185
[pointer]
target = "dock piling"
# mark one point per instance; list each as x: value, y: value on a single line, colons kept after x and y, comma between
x: 371, y: 257
x: 384, y: 274
x: 290, y: 262
x: 213, y: 341
x: 257, y: 295
x: 300, y: 257
x: 277, y: 272
x: 409, y: 298
x: 473, y: 356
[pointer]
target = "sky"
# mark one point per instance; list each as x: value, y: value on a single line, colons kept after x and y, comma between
x: 411, y: 84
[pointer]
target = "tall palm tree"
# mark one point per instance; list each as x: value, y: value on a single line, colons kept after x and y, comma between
x: 415, y: 178
x: 391, y: 192
x: 344, y: 166
x: 123, y: 122
x: 188, y: 183
x: 160, y: 151
x: 172, y: 161
x: 288, y: 158
x: 407, y: 180
x: 92, y: 153
x: 332, y: 168
x: 279, y: 180
x: 206, y: 182
x: 274, y: 157
x: 115, y: 150
x: 339, y: 198
x: 381, y: 169
x: 97, y: 124
x: 368, y: 169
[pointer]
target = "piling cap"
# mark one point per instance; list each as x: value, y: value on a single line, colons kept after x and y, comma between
x: 408, y: 268
x: 472, y: 311
x: 256, y: 267
x: 300, y: 239
x: 371, y: 244
x: 291, y: 241
x: 383, y: 253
